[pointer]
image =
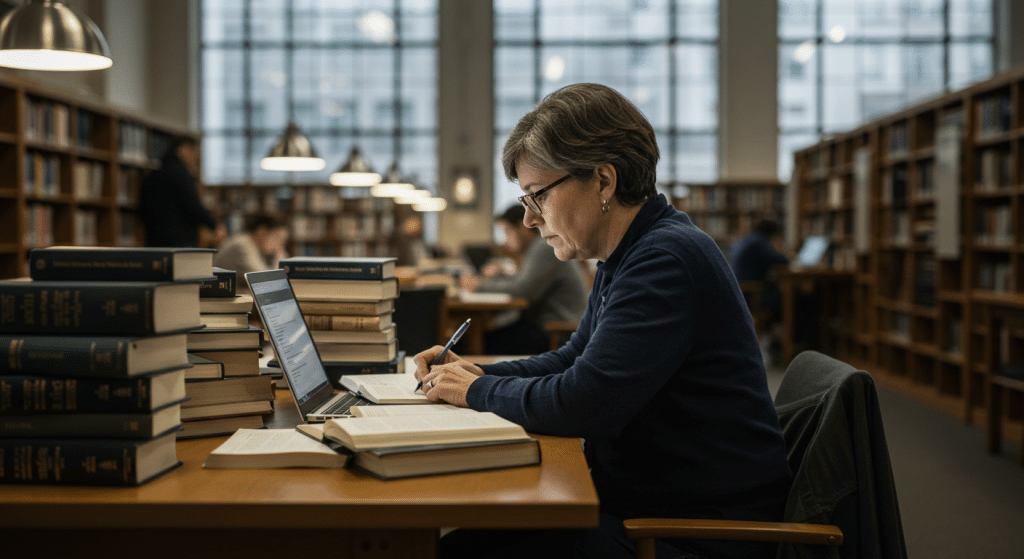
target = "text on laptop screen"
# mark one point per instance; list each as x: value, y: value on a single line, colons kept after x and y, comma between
x: 291, y: 338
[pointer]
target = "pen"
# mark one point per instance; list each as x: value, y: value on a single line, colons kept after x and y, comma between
x: 455, y: 338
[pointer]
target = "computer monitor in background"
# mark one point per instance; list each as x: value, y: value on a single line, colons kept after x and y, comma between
x: 813, y: 249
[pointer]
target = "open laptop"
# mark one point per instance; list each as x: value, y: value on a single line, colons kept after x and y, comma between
x: 296, y: 352
x: 813, y: 249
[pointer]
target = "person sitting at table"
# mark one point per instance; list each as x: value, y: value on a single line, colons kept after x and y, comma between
x: 663, y: 378
x: 555, y: 289
x: 260, y: 246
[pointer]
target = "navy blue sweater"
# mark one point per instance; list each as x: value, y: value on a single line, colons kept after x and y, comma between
x: 664, y: 380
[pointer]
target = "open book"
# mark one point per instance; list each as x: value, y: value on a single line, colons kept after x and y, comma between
x: 273, y: 448
x: 361, y: 433
x: 385, y: 388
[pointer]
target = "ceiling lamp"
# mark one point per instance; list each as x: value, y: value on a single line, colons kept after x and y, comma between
x: 393, y: 185
x: 430, y: 205
x: 355, y: 172
x: 49, y: 35
x: 292, y: 152
x: 413, y: 196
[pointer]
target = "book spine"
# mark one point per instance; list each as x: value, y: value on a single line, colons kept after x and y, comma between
x: 30, y: 394
x: 223, y: 286
x: 336, y: 371
x: 329, y: 270
x: 29, y: 308
x: 57, y: 461
x: 136, y: 426
x: 349, y: 323
x: 338, y: 308
x: 65, y: 356
x: 79, y: 265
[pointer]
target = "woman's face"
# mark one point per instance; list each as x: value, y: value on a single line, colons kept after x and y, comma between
x: 570, y: 212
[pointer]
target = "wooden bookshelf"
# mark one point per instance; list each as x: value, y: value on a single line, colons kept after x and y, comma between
x: 72, y: 171
x: 925, y: 208
x: 323, y: 222
x: 727, y: 210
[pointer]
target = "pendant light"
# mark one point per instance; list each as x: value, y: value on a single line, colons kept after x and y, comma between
x: 393, y: 185
x: 50, y: 35
x: 356, y: 171
x: 292, y: 151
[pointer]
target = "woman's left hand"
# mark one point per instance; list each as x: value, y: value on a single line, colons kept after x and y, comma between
x: 450, y: 382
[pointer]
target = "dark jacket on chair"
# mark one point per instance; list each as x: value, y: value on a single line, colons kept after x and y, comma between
x: 832, y: 423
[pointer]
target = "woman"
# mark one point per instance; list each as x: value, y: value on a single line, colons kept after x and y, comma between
x: 663, y: 377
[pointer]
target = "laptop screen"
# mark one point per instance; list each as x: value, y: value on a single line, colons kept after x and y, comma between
x: 292, y: 342
x: 812, y: 250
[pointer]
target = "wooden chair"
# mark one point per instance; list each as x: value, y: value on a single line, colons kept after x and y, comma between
x: 558, y: 332
x: 1000, y: 380
x: 827, y: 410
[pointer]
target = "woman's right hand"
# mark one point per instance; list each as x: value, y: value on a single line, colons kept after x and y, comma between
x: 425, y: 359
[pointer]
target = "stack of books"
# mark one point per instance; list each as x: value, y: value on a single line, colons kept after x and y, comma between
x: 348, y: 305
x: 92, y: 363
x: 225, y: 389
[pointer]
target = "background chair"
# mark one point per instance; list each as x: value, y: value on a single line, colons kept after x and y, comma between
x: 843, y: 490
x: 558, y: 332
x: 418, y: 318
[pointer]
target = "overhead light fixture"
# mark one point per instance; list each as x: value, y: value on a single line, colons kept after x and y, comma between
x: 393, y: 184
x: 430, y: 205
x: 292, y: 152
x: 50, y: 35
x: 413, y: 196
x: 356, y: 171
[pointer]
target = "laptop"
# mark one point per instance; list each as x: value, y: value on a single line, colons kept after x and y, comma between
x: 296, y: 353
x: 813, y: 249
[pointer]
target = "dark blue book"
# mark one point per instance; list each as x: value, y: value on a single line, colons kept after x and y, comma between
x: 121, y: 263
x: 339, y: 267
x: 86, y: 462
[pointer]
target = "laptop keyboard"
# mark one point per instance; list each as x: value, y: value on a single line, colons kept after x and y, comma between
x: 341, y: 406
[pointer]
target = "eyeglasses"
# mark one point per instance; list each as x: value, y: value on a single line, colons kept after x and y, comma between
x: 529, y: 201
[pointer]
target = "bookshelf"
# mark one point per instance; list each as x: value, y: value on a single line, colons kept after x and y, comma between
x: 323, y: 222
x: 925, y: 209
x: 72, y: 171
x: 727, y: 210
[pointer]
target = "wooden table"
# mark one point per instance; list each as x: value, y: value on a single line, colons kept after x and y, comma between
x: 196, y: 513
x: 455, y: 311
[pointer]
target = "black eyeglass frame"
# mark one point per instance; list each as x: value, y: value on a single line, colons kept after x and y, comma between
x: 529, y: 201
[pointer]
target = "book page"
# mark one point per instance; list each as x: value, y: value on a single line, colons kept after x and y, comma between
x: 401, y: 409
x: 435, y: 428
x: 386, y: 388
x: 270, y: 441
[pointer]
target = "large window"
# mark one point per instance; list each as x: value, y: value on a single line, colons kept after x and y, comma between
x: 359, y: 72
x: 661, y: 54
x: 844, y: 62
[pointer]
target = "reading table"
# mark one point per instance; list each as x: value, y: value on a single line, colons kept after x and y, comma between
x: 196, y: 513
x: 455, y: 311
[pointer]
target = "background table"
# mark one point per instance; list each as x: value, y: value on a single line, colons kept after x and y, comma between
x: 455, y: 311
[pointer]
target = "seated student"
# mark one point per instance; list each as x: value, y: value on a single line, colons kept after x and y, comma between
x: 754, y: 257
x: 663, y: 378
x: 260, y: 246
x: 556, y: 290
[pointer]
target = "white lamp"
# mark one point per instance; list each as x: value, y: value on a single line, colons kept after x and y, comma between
x: 49, y: 35
x: 355, y: 172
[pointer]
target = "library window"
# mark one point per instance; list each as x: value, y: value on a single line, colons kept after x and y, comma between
x: 865, y: 58
x: 661, y: 54
x: 342, y: 71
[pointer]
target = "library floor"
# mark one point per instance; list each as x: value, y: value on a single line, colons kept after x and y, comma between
x: 956, y: 500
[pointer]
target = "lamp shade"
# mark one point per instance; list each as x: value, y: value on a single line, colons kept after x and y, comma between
x: 292, y: 152
x: 356, y: 171
x: 49, y: 35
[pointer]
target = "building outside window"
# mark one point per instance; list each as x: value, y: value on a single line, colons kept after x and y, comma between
x: 845, y: 62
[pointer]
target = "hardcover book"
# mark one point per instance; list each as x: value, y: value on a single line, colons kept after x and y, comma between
x: 357, y: 353
x: 225, y: 338
x: 240, y: 303
x: 236, y: 362
x: 348, y: 290
x: 339, y: 267
x: 91, y: 425
x: 91, y: 357
x: 217, y: 426
x: 222, y: 284
x: 98, y: 307
x: 385, y: 389
x: 78, y: 263
x: 353, y: 337
x: 228, y: 390
x: 25, y: 394
x: 86, y: 462
x: 273, y: 448
x: 362, y: 433
x: 347, y: 308
x: 353, y: 323
x: 209, y: 411
x: 203, y: 368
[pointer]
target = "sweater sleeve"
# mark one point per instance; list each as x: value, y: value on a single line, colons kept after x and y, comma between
x: 640, y: 332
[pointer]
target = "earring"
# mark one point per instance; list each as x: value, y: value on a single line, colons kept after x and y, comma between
x: 604, y: 206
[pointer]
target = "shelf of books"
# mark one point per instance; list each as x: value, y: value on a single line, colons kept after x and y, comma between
x: 925, y: 207
x: 324, y: 221
x: 727, y: 210
x: 73, y: 171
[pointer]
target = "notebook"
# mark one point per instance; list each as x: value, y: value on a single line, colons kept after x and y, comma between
x: 296, y: 352
x: 812, y: 250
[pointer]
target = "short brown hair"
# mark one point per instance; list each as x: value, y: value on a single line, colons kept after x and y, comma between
x: 582, y: 126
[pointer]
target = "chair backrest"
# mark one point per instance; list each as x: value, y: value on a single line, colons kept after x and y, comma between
x: 837, y: 451
x: 418, y: 318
